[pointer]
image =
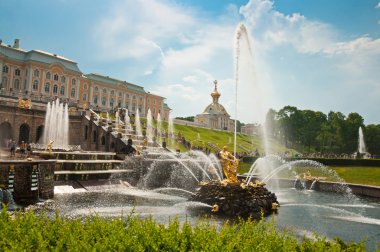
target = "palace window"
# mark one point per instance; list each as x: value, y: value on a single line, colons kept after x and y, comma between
x: 36, y: 73
x: 47, y: 87
x: 73, y: 93
x: 111, y: 102
x: 85, y: 86
x: 56, y: 77
x: 63, y: 79
x: 148, y: 101
x: 104, y: 91
x: 127, y: 96
x: 96, y: 89
x: 140, y: 99
x: 55, y: 89
x: 154, y: 102
x: 4, y: 82
x: 104, y: 101
x: 35, y: 85
x: 17, y: 84
x: 73, y: 81
x: 120, y: 94
x: 48, y: 76
x: 5, y: 69
x: 95, y: 99
x: 119, y: 103
x: 62, y: 90
x: 112, y: 92
x: 127, y: 105
x: 84, y: 97
x: 17, y: 72
x: 134, y: 97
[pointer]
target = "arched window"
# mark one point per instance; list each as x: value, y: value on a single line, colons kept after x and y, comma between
x: 62, y: 90
x: 36, y: 73
x: 120, y: 94
x: 47, y: 87
x: 5, y: 69
x: 63, y: 79
x: 4, y: 82
x: 95, y: 99
x: 56, y: 77
x: 85, y: 86
x: 55, y: 89
x: 84, y: 97
x: 73, y: 81
x: 112, y: 102
x: 112, y: 92
x: 73, y: 92
x: 105, y: 91
x: 48, y: 76
x: 16, y: 84
x: 96, y: 89
x: 119, y: 103
x: 127, y: 105
x: 17, y: 72
x: 104, y: 101
x: 35, y: 85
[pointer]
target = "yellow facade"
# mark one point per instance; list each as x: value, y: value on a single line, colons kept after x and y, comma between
x: 43, y: 77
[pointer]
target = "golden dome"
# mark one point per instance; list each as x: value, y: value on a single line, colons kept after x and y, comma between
x: 215, y: 95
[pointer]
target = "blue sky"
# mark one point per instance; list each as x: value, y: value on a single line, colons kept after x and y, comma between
x: 318, y: 54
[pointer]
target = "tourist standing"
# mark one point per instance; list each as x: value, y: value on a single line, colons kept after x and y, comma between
x: 13, y: 149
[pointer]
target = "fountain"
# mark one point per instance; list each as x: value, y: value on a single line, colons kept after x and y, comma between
x: 57, y: 117
x: 361, y: 143
x: 163, y: 184
x: 149, y: 126
x: 138, y: 124
x: 159, y: 127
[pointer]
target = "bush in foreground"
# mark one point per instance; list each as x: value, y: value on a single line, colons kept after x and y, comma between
x: 30, y: 232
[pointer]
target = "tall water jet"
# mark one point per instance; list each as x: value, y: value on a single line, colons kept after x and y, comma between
x: 361, y: 148
x: 245, y: 73
x: 56, y: 125
x: 159, y: 126
x: 149, y: 126
x: 138, y: 124
x: 171, y: 127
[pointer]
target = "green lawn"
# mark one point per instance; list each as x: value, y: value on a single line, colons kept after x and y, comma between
x: 201, y: 136
x: 350, y: 174
x: 359, y: 174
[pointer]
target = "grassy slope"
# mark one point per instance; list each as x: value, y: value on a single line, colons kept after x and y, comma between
x: 201, y: 136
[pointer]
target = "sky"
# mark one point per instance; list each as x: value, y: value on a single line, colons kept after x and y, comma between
x: 320, y: 55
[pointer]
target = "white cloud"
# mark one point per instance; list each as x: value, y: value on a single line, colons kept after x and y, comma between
x: 377, y: 5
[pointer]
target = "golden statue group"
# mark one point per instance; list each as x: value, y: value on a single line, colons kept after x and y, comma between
x: 230, y: 165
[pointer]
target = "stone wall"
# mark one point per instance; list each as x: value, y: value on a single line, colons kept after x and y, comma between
x: 24, y: 190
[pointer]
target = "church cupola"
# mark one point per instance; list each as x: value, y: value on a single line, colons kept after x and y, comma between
x: 215, y: 95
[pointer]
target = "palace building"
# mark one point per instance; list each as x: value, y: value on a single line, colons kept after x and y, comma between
x: 215, y: 115
x: 43, y: 77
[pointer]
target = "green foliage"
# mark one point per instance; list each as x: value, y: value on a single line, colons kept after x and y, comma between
x: 30, y: 232
x: 313, y: 131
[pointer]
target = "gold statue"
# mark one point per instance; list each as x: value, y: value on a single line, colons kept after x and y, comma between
x: 50, y: 146
x: 24, y: 103
x: 230, y: 164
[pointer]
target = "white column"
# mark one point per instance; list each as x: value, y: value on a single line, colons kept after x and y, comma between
x: 29, y: 82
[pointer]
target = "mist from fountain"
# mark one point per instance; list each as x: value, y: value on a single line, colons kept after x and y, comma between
x: 245, y: 76
x: 56, y: 125
x: 171, y: 129
x: 361, y: 143
x: 149, y: 126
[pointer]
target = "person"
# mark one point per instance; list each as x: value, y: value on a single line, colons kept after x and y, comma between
x: 13, y: 149
x: 229, y: 164
x: 22, y: 148
x: 28, y: 149
x: 129, y: 149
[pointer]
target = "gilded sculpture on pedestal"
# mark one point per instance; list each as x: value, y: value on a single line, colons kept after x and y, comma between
x: 230, y: 164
